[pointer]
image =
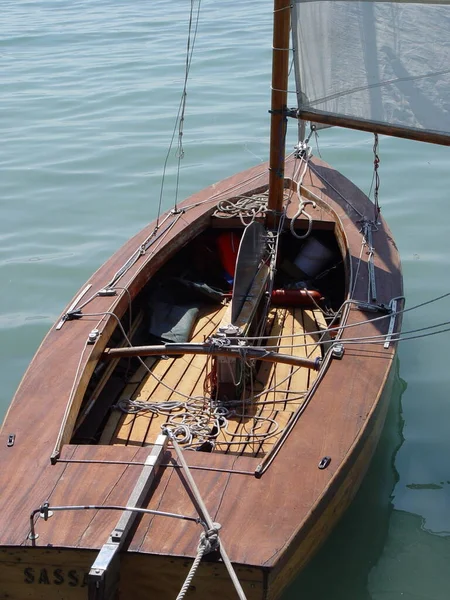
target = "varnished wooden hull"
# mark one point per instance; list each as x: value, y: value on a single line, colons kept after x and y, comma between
x: 271, y: 525
x: 55, y: 573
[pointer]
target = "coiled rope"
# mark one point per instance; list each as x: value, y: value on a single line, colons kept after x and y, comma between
x: 245, y: 207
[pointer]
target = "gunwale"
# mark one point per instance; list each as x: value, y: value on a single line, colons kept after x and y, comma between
x: 326, y: 428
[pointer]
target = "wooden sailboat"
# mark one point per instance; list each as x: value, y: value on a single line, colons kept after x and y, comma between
x: 209, y: 395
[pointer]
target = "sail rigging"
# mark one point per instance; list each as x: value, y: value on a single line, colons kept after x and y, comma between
x: 381, y: 66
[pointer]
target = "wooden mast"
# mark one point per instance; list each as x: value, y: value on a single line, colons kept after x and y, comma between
x: 280, y: 70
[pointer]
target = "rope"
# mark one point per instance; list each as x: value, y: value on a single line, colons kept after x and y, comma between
x: 376, y: 164
x: 189, y: 54
x: 200, y: 552
x: 245, y: 207
x: 302, y: 203
x: 209, y: 542
x: 284, y: 91
x: 193, y: 424
x: 206, y: 517
x: 316, y: 138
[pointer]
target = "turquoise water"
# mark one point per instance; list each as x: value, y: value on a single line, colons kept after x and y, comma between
x: 90, y: 91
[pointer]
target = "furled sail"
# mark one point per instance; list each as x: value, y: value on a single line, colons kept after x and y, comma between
x: 379, y: 66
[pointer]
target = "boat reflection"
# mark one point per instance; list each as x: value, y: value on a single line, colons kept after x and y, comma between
x: 341, y: 568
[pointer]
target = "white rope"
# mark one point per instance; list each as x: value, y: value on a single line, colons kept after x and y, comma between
x: 200, y: 552
x: 284, y: 91
x: 204, y: 514
x: 197, y: 420
x: 246, y: 207
x: 158, y: 408
x: 302, y: 203
x: 379, y: 338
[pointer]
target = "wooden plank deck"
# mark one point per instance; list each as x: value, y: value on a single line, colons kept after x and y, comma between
x: 281, y: 389
x: 275, y: 393
x: 181, y: 373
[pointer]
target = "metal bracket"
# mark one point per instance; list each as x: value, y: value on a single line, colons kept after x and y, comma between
x: 368, y: 307
x: 45, y: 512
x: 227, y: 367
x: 300, y: 150
x: 372, y: 279
x: 71, y: 308
x: 107, y: 291
x: 337, y: 351
x: 284, y: 112
x: 104, y: 575
x: 93, y: 336
x: 393, y: 306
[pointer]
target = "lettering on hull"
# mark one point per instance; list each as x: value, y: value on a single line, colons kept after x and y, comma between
x: 55, y: 576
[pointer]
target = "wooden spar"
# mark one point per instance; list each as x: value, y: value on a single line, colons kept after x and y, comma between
x: 180, y: 349
x: 280, y: 70
x: 419, y: 135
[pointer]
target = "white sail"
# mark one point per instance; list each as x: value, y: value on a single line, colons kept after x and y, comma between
x: 384, y: 63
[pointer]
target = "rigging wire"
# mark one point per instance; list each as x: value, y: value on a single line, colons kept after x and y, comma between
x: 331, y: 186
x: 179, y: 121
x: 376, y: 164
x: 366, y: 322
x: 316, y: 138
x: 189, y: 55
x: 152, y: 237
x: 393, y: 338
x: 195, y: 423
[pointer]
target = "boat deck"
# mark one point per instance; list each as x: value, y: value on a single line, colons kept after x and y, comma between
x: 272, y: 523
x: 277, y: 391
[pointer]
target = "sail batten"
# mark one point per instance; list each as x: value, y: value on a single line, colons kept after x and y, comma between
x: 375, y: 65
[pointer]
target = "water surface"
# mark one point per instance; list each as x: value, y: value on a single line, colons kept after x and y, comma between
x: 90, y: 91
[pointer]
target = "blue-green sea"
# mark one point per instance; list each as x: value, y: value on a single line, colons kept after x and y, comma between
x: 90, y: 90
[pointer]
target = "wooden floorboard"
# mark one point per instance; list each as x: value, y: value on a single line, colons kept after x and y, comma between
x: 254, y: 428
x: 281, y: 403
x: 180, y: 373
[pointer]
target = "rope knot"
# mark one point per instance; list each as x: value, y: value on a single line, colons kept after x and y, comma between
x: 209, y: 540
